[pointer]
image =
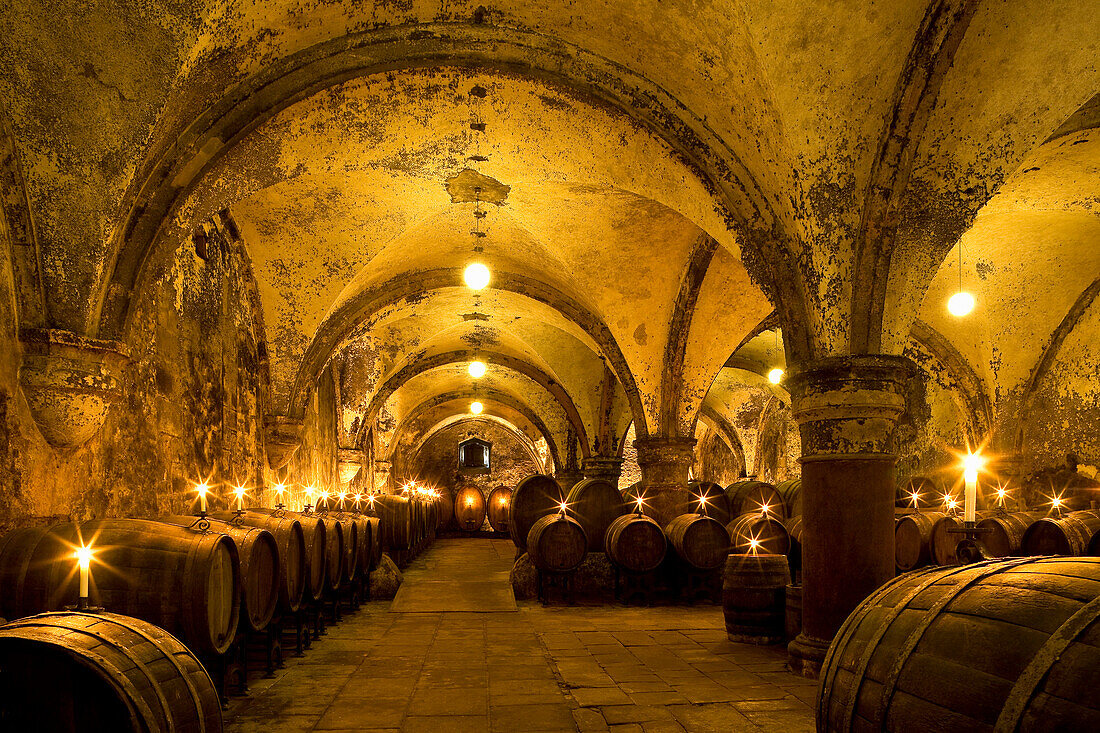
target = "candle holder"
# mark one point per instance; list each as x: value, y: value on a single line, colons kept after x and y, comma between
x: 83, y: 605
x: 201, y: 523
x: 971, y: 549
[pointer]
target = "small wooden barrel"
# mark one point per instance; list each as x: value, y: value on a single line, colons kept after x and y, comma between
x: 709, y: 498
x: 699, y: 541
x: 1006, y: 645
x: 396, y: 516
x: 75, y: 672
x: 635, y: 543
x: 929, y: 493
x: 595, y: 503
x: 750, y: 497
x: 335, y: 552
x: 790, y: 493
x: 350, y: 565
x: 754, y: 597
x: 259, y: 556
x: 361, y: 535
x: 469, y: 508
x: 556, y: 543
x: 500, y: 508
x: 1071, y: 534
x: 770, y: 534
x: 292, y: 552
x: 944, y: 541
x: 794, y: 531
x: 913, y: 540
x: 1007, y: 536
x: 792, y: 625
x: 316, y: 543
x: 534, y: 498
x: 196, y: 574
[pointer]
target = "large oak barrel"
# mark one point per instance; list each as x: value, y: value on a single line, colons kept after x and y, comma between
x: 469, y: 508
x: 929, y: 493
x: 754, y: 597
x: 770, y: 534
x: 556, y: 543
x: 944, y: 541
x: 362, y: 541
x: 636, y: 543
x: 500, y: 508
x: 595, y: 503
x: 699, y: 541
x: 1006, y: 534
x: 349, y: 566
x: 751, y: 496
x: 375, y: 541
x: 446, y: 507
x: 291, y: 542
x: 534, y: 498
x: 396, y: 516
x: 709, y: 498
x: 1071, y: 534
x: 259, y: 557
x: 185, y: 580
x: 1001, y: 645
x: 77, y: 672
x: 913, y: 540
x: 316, y: 545
x: 790, y: 493
x: 335, y: 552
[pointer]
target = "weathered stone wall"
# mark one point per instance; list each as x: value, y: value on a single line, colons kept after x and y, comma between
x: 714, y: 461
x: 315, y: 462
x: 192, y: 399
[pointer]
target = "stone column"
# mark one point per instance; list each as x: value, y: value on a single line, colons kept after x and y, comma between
x: 608, y: 468
x: 567, y: 478
x: 665, y: 464
x: 847, y: 408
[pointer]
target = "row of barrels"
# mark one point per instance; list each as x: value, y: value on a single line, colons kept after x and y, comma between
x: 409, y: 524
x: 468, y: 508
x: 198, y: 579
x: 748, y: 496
x: 930, y: 538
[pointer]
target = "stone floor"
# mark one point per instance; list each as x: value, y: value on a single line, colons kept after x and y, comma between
x: 527, y: 669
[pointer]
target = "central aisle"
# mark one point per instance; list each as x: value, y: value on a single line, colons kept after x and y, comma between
x: 459, y: 575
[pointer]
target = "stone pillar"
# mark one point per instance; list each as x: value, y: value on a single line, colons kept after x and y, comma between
x: 846, y: 408
x: 665, y: 464
x: 567, y: 478
x: 608, y: 468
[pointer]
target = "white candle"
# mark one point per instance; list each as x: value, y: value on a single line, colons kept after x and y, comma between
x: 84, y: 560
x: 970, y: 477
x: 240, y: 498
x: 202, y: 498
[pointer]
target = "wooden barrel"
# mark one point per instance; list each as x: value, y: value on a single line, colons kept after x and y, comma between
x: 259, y: 557
x: 375, y: 541
x: 500, y: 508
x: 1000, y: 645
x: 361, y: 534
x: 315, y: 537
x: 792, y: 623
x: 754, y: 597
x: 709, y: 498
x: 446, y: 508
x: 749, y: 497
x: 76, y: 672
x: 1007, y: 535
x: 469, y: 508
x: 556, y: 543
x: 790, y: 493
x: 636, y: 543
x: 396, y: 516
x: 794, y: 531
x: 534, y: 498
x: 944, y: 541
x: 913, y: 540
x: 195, y: 574
x: 291, y: 542
x: 929, y: 493
x: 770, y: 534
x: 335, y: 552
x: 699, y: 541
x: 1071, y: 534
x: 595, y: 503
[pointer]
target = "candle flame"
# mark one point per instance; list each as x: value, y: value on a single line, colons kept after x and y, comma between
x: 1001, y: 494
x: 239, y: 491
x: 972, y: 463
x: 951, y: 503
x: 754, y: 545
x: 764, y: 508
x: 280, y: 489
x: 469, y: 501
x: 1056, y: 502
x: 202, y: 488
x: 502, y: 501
x: 84, y: 556
x: 915, y: 496
x: 563, y: 506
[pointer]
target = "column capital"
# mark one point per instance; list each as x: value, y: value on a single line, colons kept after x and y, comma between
x: 675, y: 451
x: 849, y: 405
x: 282, y: 436
x: 665, y: 464
x: 605, y: 467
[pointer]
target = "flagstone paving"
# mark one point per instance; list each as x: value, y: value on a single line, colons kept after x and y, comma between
x: 530, y: 669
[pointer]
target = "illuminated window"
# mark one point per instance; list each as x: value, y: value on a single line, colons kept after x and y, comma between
x: 473, y: 454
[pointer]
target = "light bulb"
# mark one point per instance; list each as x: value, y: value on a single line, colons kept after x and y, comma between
x: 476, y: 408
x: 477, y: 369
x: 960, y: 303
x: 775, y: 376
x: 476, y: 276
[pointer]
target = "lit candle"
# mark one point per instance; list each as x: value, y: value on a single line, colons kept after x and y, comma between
x: 202, y: 489
x: 358, y: 501
x: 915, y: 497
x: 1056, y: 504
x: 239, y: 493
x: 84, y: 561
x: 754, y: 545
x: 1001, y: 493
x: 970, y: 476
x: 639, y: 501
x: 764, y: 508
x: 703, y: 505
x: 279, y: 490
x: 563, y: 506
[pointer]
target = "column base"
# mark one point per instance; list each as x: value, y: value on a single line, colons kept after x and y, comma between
x: 807, y: 654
